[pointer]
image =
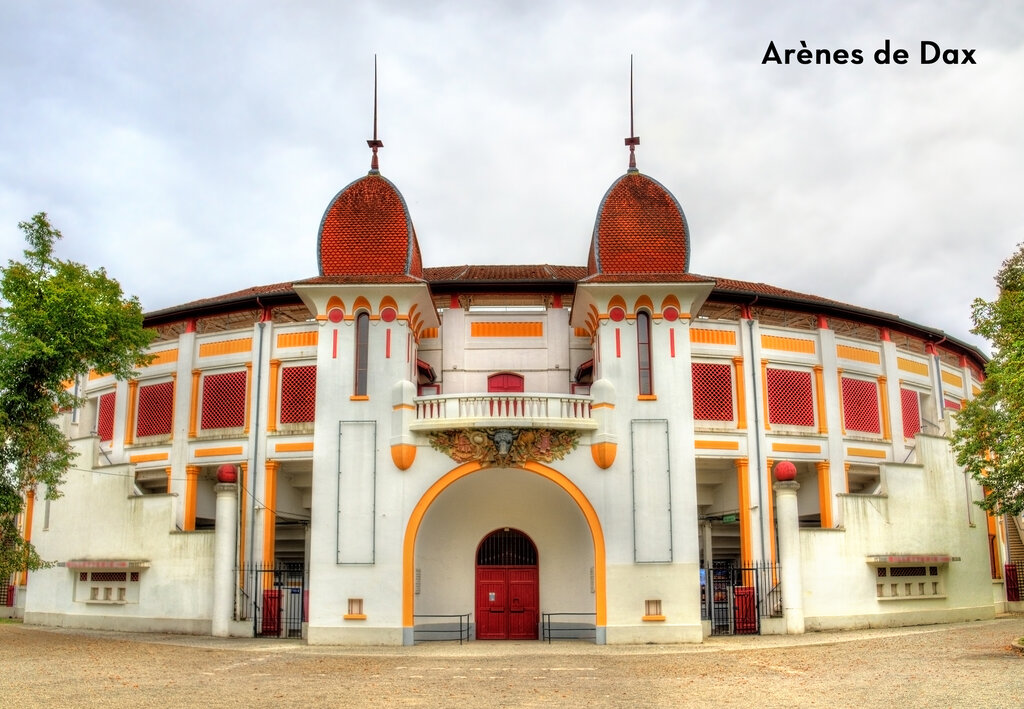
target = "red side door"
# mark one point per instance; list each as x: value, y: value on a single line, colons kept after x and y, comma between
x: 491, y: 603
x: 522, y: 603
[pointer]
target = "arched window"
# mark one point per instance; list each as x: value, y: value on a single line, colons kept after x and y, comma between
x: 643, y: 352
x: 505, y: 382
x: 362, y: 350
x: 506, y: 547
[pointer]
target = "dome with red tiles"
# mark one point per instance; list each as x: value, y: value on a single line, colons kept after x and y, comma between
x: 640, y: 229
x: 367, y: 231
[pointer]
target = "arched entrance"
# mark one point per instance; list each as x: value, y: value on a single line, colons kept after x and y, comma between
x: 507, y: 587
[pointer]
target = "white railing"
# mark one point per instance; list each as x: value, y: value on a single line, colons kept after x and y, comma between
x: 567, y: 410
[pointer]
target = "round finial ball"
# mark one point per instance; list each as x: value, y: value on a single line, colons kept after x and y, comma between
x: 227, y: 473
x: 785, y: 471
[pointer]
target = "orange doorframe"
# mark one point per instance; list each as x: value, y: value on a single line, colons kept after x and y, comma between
x: 432, y: 493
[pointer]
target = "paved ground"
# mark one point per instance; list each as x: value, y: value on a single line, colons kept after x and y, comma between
x: 963, y: 665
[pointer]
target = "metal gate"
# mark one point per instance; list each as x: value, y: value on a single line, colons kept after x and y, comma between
x: 736, y: 597
x: 279, y: 601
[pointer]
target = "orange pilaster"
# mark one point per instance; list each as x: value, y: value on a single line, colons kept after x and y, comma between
x: 193, y: 407
x: 819, y: 381
x: 824, y: 493
x: 269, y: 507
x: 743, y: 501
x: 129, y: 419
x: 272, y: 389
x: 741, y: 395
x: 883, y: 397
x: 248, y: 393
x: 191, y: 484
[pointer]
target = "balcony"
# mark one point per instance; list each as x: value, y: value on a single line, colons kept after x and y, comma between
x: 458, y: 411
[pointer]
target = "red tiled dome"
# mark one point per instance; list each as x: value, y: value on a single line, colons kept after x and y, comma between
x: 366, y: 231
x: 640, y: 229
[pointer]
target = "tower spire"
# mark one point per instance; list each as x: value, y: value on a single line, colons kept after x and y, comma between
x: 633, y: 140
x: 374, y: 143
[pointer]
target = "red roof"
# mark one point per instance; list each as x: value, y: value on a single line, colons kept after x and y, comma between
x: 514, y: 273
x: 367, y: 231
x: 640, y: 229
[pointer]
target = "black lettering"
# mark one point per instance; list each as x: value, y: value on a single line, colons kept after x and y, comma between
x: 900, y: 56
x: 951, y: 56
x: 858, y: 56
x: 839, y: 56
x: 771, y: 54
x: 926, y: 48
x: 969, y: 56
x: 882, y: 54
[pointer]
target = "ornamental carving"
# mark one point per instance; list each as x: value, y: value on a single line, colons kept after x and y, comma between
x: 504, y: 446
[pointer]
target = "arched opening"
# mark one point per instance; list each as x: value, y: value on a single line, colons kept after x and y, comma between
x: 507, y: 587
x: 505, y: 382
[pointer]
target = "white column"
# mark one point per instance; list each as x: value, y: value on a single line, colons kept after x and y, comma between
x: 788, y: 521
x: 224, y: 557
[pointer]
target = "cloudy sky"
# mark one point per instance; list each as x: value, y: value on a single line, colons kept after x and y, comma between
x: 192, y: 147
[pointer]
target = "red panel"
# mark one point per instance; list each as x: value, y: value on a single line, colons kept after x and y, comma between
x: 522, y: 603
x: 504, y: 383
x: 491, y: 606
x: 790, y: 397
x: 298, y: 394
x: 860, y: 405
x: 105, y: 416
x: 712, y: 392
x: 911, y: 407
x: 746, y: 610
x: 271, y: 612
x: 156, y: 410
x: 224, y: 400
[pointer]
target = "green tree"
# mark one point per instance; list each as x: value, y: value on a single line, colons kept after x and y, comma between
x: 58, y: 320
x: 989, y: 439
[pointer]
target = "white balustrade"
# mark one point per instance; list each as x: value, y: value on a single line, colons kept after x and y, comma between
x: 494, y: 409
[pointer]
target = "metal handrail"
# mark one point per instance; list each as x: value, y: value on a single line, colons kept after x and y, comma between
x: 548, y: 632
x: 463, y: 626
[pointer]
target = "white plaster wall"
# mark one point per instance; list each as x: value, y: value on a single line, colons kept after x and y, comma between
x: 175, y: 592
x: 924, y: 512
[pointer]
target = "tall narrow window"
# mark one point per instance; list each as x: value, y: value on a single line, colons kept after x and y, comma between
x: 362, y: 349
x: 643, y: 346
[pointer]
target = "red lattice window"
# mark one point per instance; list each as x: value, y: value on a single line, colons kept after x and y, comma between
x: 156, y: 410
x: 105, y: 416
x: 790, y: 397
x: 223, y: 400
x: 712, y: 392
x: 298, y: 394
x: 910, y: 405
x: 860, y: 405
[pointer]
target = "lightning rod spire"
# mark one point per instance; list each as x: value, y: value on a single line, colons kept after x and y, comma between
x: 374, y: 143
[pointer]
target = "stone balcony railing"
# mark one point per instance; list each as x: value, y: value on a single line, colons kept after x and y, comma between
x: 554, y: 411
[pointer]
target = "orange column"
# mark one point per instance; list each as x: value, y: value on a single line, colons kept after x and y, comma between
x: 30, y: 506
x: 243, y: 498
x: 248, y: 393
x: 272, y: 387
x: 771, y: 512
x: 842, y: 411
x: 819, y: 381
x: 191, y: 483
x: 743, y: 500
x: 824, y: 494
x: 168, y: 480
x: 269, y: 514
x: 741, y: 395
x: 883, y: 397
x: 764, y: 397
x: 129, y: 423
x: 193, y: 409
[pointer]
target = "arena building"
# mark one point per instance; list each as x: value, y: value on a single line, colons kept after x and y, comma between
x: 386, y: 453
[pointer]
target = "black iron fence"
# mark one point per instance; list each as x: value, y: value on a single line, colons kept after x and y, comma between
x: 1014, y: 579
x: 276, y: 599
x: 568, y: 625
x: 735, y: 597
x: 441, y: 627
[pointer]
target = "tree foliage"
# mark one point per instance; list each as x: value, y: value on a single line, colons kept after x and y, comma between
x: 989, y: 439
x: 58, y: 320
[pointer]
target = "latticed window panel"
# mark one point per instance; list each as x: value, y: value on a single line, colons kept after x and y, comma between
x: 910, y: 405
x: 223, y: 400
x: 790, y: 397
x: 105, y: 416
x: 860, y: 405
x: 712, y: 392
x: 156, y: 410
x: 298, y: 394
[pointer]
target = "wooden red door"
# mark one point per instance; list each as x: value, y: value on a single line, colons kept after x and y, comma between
x: 507, y: 605
x: 505, y: 382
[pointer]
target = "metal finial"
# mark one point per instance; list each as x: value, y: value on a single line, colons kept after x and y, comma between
x: 633, y: 140
x: 374, y: 143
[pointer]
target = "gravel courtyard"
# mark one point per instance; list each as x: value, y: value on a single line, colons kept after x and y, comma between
x: 963, y: 665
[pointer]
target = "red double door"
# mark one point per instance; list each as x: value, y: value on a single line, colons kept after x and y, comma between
x: 506, y: 602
